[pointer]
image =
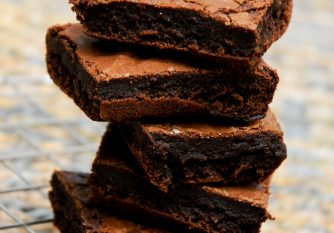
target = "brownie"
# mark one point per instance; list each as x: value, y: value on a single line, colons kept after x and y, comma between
x: 118, y: 184
x: 111, y: 82
x: 222, y: 30
x: 195, y: 152
x: 69, y: 201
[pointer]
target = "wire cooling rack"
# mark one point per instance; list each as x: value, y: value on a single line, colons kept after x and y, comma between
x: 41, y: 130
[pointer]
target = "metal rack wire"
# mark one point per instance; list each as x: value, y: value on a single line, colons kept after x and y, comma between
x: 40, y: 131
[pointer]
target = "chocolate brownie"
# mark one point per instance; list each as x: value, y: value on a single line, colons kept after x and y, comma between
x: 203, y: 152
x: 110, y: 82
x: 223, y: 30
x: 118, y: 184
x: 69, y: 201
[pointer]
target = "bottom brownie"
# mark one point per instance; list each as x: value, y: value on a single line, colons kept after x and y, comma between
x: 69, y: 201
x: 118, y: 184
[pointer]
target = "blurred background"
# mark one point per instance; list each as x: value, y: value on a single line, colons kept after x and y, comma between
x: 42, y: 130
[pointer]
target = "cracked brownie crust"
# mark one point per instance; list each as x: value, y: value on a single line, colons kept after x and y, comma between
x: 223, y: 30
x: 113, y: 82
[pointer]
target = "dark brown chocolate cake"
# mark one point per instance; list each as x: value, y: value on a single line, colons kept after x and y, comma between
x: 111, y: 82
x: 222, y: 30
x: 72, y: 215
x: 203, y: 152
x: 118, y: 184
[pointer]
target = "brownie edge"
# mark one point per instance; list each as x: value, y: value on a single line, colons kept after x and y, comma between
x: 72, y: 214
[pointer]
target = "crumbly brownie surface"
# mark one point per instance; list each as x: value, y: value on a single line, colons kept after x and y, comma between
x: 223, y: 30
x: 203, y: 152
x: 110, y: 83
x: 119, y: 184
x: 69, y: 200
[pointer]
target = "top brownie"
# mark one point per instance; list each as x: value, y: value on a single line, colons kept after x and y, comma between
x: 224, y: 30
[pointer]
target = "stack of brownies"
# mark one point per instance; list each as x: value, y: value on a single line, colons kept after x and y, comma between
x: 191, y: 144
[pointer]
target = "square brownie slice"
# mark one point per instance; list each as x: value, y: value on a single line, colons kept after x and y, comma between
x: 222, y: 30
x: 118, y: 185
x: 196, y: 152
x: 113, y: 82
x: 72, y: 214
